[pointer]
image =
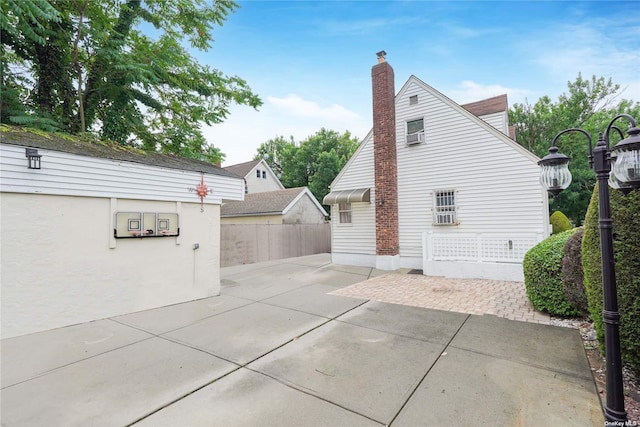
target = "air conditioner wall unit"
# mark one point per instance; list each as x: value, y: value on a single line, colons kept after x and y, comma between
x: 414, y: 138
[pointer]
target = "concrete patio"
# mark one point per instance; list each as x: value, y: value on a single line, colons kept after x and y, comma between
x: 279, y: 347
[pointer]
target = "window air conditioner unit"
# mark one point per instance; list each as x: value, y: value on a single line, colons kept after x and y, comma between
x: 415, y: 138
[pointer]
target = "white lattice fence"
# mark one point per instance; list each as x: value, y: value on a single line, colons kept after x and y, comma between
x: 478, y: 247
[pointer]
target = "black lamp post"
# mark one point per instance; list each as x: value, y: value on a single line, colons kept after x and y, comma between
x: 555, y: 177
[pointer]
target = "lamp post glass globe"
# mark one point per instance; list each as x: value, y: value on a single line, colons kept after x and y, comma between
x: 627, y: 164
x: 555, y: 175
x: 614, y: 182
x: 555, y: 178
x: 627, y: 167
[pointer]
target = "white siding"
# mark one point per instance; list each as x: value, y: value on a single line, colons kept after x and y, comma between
x: 359, y: 237
x: 74, y: 175
x: 499, y: 121
x: 260, y: 185
x: 496, y: 183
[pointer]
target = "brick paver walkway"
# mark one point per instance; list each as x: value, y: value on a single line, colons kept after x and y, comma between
x: 473, y: 296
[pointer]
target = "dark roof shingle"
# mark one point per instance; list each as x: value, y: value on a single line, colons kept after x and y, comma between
x: 487, y: 106
x: 267, y: 203
x: 242, y: 169
x: 105, y: 150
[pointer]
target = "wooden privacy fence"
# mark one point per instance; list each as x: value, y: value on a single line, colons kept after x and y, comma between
x: 249, y: 243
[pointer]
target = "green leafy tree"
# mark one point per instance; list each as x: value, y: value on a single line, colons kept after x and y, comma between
x: 91, y: 66
x: 313, y: 163
x: 23, y: 25
x: 278, y: 153
x: 588, y: 104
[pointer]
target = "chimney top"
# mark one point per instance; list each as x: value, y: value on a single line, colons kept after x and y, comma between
x: 381, y: 56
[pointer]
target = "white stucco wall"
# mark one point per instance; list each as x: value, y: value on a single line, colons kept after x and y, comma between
x: 61, y: 264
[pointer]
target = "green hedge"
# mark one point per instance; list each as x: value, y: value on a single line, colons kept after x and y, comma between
x: 625, y: 214
x: 559, y: 222
x: 572, y: 273
x: 542, y: 266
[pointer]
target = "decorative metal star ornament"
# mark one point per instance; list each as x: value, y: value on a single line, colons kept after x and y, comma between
x: 202, y: 191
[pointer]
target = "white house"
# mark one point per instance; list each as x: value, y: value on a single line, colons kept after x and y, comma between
x: 92, y: 230
x: 437, y: 186
x: 258, y: 176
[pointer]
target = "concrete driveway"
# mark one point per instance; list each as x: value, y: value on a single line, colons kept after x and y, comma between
x: 277, y: 349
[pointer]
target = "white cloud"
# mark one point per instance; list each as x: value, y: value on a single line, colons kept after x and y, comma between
x: 293, y: 104
x: 593, y: 47
x: 469, y: 91
x: 242, y: 133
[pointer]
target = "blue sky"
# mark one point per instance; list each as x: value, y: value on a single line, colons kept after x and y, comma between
x: 310, y: 61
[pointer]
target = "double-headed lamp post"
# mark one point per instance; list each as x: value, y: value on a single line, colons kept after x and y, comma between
x: 555, y: 177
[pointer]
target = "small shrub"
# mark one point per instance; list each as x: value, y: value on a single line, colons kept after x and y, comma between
x: 573, y: 275
x: 542, y: 266
x: 625, y: 214
x: 559, y: 222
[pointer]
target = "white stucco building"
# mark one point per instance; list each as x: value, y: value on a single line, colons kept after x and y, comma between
x: 100, y: 230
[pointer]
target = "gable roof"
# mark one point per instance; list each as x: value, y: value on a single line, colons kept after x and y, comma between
x: 495, y: 101
x: 268, y: 203
x: 242, y: 169
x: 484, y: 107
x: 496, y: 104
x: 109, y: 150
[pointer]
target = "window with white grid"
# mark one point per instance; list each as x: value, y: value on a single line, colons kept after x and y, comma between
x: 344, y: 213
x: 445, y: 208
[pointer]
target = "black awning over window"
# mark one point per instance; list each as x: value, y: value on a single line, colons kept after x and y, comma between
x: 347, y: 196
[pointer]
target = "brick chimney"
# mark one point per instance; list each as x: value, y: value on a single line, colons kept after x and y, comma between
x: 386, y: 169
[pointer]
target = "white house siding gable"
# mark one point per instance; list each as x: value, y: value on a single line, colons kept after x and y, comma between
x: 496, y: 184
x: 499, y: 120
x: 74, y: 175
x: 359, y: 237
x: 261, y: 185
x: 304, y: 211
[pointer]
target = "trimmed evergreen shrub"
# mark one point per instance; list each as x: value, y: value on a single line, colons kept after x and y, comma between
x: 572, y: 273
x: 625, y: 214
x: 542, y: 266
x: 559, y: 222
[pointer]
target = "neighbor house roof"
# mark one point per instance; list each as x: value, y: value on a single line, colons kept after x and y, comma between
x: 268, y: 203
x: 103, y: 149
x: 242, y: 169
x: 487, y: 106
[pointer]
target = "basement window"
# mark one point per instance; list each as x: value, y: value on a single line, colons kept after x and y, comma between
x: 445, y: 208
x: 344, y: 213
